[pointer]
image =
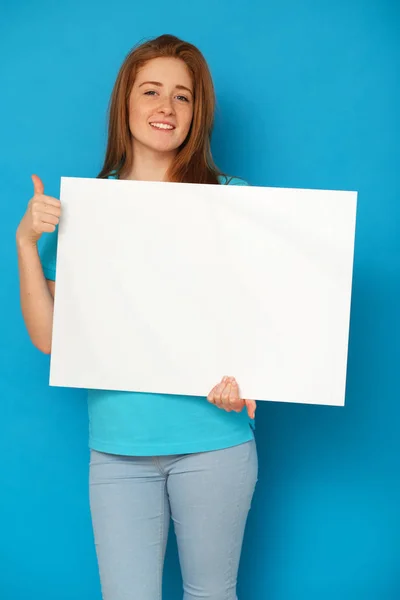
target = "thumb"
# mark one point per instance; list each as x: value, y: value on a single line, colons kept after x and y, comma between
x: 251, y: 408
x: 38, y: 186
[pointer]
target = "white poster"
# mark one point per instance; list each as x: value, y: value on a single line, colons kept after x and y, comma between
x: 166, y: 287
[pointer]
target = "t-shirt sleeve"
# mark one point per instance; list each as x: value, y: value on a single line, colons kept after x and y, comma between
x: 48, y: 254
x: 235, y: 181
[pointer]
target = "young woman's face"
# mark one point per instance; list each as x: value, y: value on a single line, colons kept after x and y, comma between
x: 161, y: 105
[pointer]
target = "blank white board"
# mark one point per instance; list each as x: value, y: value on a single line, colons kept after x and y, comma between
x: 166, y: 287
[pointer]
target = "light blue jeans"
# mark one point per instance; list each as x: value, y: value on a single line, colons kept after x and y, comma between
x: 208, y: 495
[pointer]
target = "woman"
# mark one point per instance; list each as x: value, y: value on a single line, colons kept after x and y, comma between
x: 154, y: 456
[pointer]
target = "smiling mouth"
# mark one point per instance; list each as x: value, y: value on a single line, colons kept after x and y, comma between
x: 162, y: 126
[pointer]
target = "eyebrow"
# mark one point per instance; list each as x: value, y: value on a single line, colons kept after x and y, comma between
x: 158, y: 84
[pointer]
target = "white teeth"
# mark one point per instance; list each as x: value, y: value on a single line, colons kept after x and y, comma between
x: 161, y: 125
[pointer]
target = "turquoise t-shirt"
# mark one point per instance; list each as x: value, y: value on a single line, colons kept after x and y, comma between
x: 145, y: 424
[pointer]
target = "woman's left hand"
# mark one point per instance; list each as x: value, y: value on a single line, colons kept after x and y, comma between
x: 226, y: 395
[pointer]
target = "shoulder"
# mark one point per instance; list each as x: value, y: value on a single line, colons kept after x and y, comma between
x: 230, y: 180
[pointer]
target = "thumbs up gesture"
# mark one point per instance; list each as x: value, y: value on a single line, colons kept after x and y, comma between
x: 42, y: 214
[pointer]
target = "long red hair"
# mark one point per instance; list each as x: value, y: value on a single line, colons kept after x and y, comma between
x: 193, y: 162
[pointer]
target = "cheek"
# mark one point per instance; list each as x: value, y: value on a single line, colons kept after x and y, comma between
x: 137, y: 115
x: 187, y: 118
x: 133, y: 118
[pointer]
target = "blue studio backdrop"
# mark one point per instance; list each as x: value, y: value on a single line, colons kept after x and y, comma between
x: 307, y: 97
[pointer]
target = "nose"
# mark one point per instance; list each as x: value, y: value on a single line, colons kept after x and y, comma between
x: 166, y: 106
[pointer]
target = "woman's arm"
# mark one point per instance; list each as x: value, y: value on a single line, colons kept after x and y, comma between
x: 36, y: 293
x: 36, y: 296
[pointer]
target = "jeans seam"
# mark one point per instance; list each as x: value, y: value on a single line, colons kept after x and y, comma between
x: 241, y: 484
x: 158, y: 466
x: 160, y: 567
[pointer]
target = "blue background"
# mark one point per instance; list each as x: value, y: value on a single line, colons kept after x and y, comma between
x: 307, y: 98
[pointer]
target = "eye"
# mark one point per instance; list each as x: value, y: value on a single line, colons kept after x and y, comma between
x: 150, y: 93
x: 183, y: 98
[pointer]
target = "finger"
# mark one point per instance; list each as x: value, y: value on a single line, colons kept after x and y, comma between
x: 46, y: 218
x: 51, y: 201
x: 218, y: 395
x: 47, y: 228
x: 225, y: 397
x: 251, y: 406
x: 236, y: 402
x: 38, y: 186
x: 39, y: 207
x: 219, y: 391
x: 50, y: 209
x: 211, y: 395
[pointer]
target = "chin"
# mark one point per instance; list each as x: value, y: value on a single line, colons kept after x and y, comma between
x: 159, y: 145
x: 168, y: 148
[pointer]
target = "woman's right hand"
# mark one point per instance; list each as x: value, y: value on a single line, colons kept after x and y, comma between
x: 42, y: 214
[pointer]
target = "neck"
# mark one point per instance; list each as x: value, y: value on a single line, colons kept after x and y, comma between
x: 148, y: 165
